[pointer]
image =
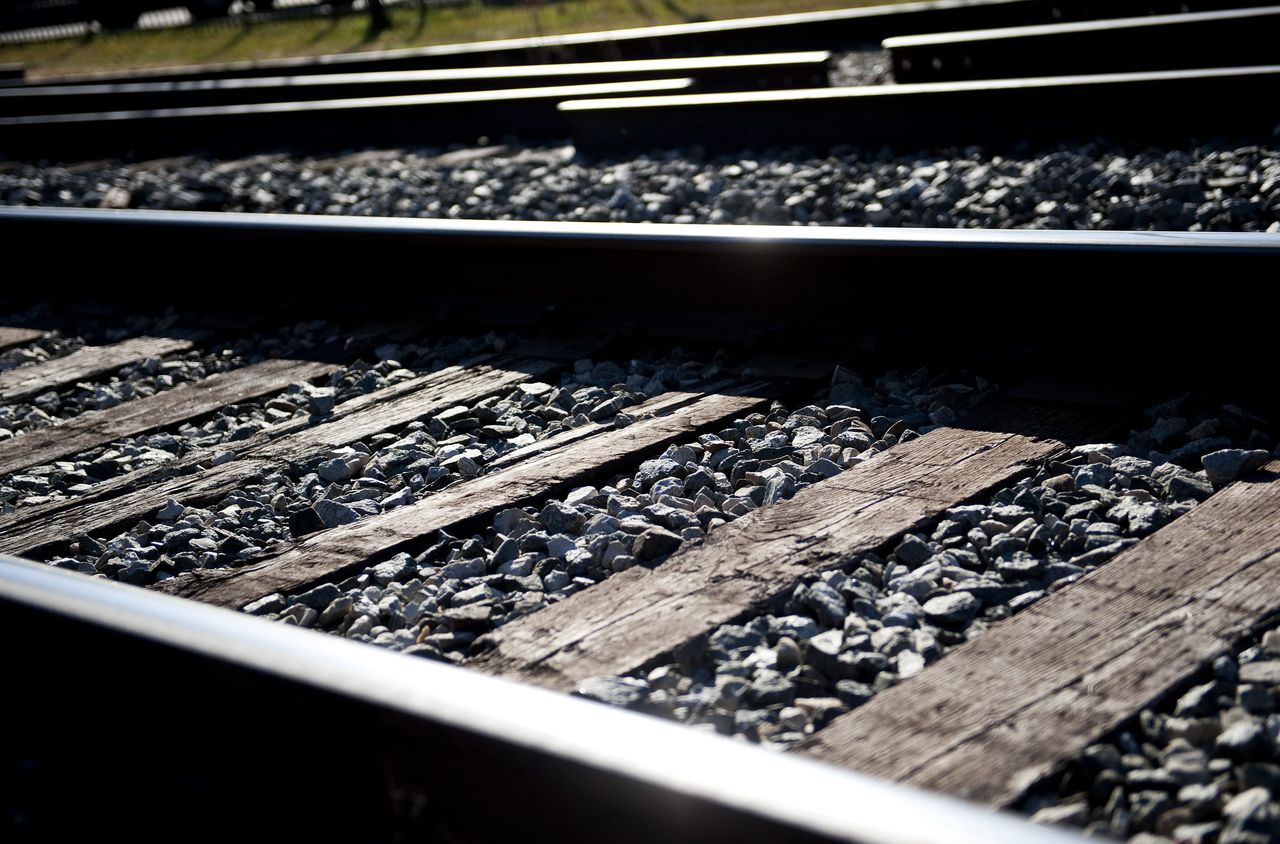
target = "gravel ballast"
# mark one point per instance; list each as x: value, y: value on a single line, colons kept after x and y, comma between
x: 78, y: 473
x: 835, y: 640
x: 437, y: 603
x: 388, y: 470
x: 137, y: 380
x: 53, y: 344
x: 1096, y: 186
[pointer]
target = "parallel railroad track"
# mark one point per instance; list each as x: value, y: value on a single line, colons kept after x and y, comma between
x: 1001, y: 95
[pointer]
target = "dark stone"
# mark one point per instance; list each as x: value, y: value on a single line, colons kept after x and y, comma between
x: 305, y: 521
x: 772, y: 689
x: 560, y: 518
x: 852, y: 693
x: 1188, y: 485
x: 827, y: 604
x: 655, y: 542
x: 913, y: 551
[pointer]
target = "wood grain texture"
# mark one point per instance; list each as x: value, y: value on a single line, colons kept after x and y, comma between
x: 337, y: 552
x: 634, y: 618
x: 170, y: 407
x: 34, y: 531
x: 10, y: 337
x: 86, y: 362
x: 1004, y: 710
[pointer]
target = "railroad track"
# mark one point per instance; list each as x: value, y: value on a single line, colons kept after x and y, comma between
x: 790, y: 484
x: 563, y: 555
x: 1052, y: 76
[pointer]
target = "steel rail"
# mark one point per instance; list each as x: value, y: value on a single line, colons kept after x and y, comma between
x: 640, y: 237
x: 838, y: 29
x: 710, y: 73
x: 1228, y: 38
x: 967, y: 287
x: 309, y: 124
x: 921, y: 291
x: 1154, y: 107
x: 364, y: 738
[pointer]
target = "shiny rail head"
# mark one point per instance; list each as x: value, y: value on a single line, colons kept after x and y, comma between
x: 462, y: 98
x: 812, y: 799
x: 898, y: 42
x: 916, y: 89
x: 640, y: 236
x: 543, y: 71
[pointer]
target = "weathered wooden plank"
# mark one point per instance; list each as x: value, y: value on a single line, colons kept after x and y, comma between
x: 10, y: 336
x: 743, y: 564
x: 196, y: 462
x: 124, y: 500
x: 171, y: 407
x: 335, y: 552
x: 85, y: 362
x: 1012, y: 706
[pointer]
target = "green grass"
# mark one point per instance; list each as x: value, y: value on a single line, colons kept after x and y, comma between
x: 411, y: 27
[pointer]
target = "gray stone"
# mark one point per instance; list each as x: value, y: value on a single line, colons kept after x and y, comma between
x: 1141, y: 517
x: 334, y: 514
x: 770, y: 688
x: 1246, y: 803
x: 852, y: 693
x: 913, y: 551
x: 909, y: 664
x: 1223, y: 467
x: 1200, y: 700
x: 1066, y: 814
x: 1189, y: 486
x: 788, y: 654
x: 341, y: 468
x: 320, y: 400
x: 1100, y: 555
x: 300, y: 615
x: 655, y: 542
x: 506, y: 522
x: 397, y: 499
x: 337, y: 611
x: 1241, y: 740
x: 822, y: 650
x: 1097, y: 474
x: 582, y: 495
x: 170, y: 511
x: 626, y: 692
x: 560, y: 518
x: 952, y: 610
x: 393, y: 569
x: 653, y: 470
x: 827, y: 604
x: 463, y: 569
x: 273, y: 603
x: 733, y: 638
x: 824, y: 467
x: 797, y: 627
x: 319, y: 597
x: 1264, y: 672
